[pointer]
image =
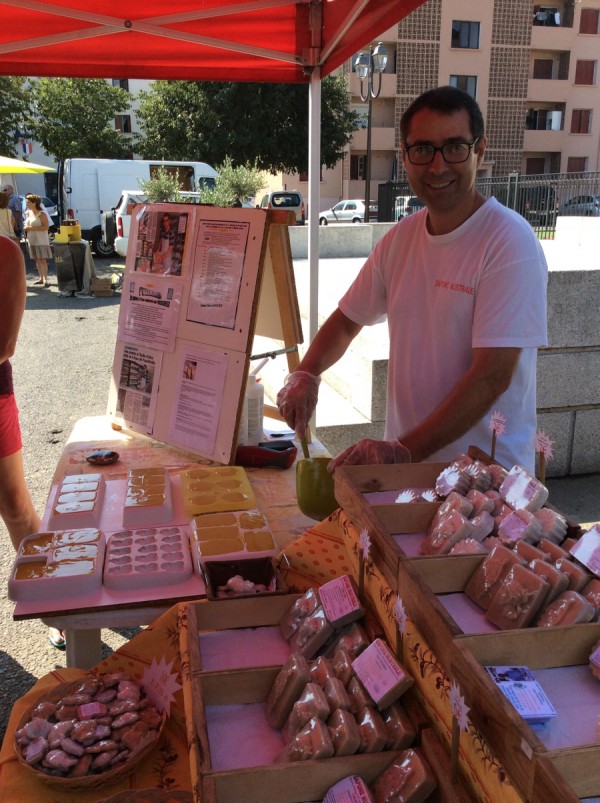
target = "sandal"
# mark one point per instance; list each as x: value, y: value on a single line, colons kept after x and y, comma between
x: 57, y: 638
x: 40, y: 281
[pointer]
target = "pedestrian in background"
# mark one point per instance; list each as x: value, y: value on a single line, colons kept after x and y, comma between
x: 7, y: 220
x: 15, y: 204
x: 37, y: 224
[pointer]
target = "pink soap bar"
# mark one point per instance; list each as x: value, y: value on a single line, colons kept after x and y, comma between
x: 400, y: 730
x: 488, y: 576
x: 407, y: 780
x: 522, y: 490
x: 287, y: 687
x: 569, y: 608
x: 344, y: 733
x: 351, y: 789
x: 339, y: 598
x: 382, y: 675
x: 373, y: 735
x: 91, y: 710
x: 518, y: 599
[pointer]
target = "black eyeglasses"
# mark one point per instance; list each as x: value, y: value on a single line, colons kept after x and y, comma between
x: 452, y: 152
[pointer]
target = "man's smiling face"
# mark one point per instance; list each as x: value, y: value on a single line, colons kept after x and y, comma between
x: 446, y: 189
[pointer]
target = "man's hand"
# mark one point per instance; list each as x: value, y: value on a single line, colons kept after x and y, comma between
x: 297, y: 400
x: 368, y: 452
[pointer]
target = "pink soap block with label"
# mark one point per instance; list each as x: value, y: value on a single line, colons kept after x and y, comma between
x: 351, y: 789
x: 523, y: 491
x: 382, y: 675
x: 339, y: 598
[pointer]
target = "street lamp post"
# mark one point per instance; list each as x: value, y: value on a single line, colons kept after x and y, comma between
x: 367, y: 65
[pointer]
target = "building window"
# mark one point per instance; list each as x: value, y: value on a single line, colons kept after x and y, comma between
x: 542, y: 68
x: 585, y: 72
x: 122, y: 83
x: 123, y: 123
x: 468, y: 83
x: 577, y: 164
x: 358, y: 168
x: 589, y: 21
x: 465, y: 34
x: 535, y: 165
x: 581, y: 121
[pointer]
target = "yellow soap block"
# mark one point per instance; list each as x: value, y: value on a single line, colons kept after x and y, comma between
x: 259, y: 541
x: 212, y: 533
x: 252, y: 521
x: 221, y: 546
x: 215, y: 519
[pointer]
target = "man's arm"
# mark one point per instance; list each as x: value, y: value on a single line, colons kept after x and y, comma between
x: 488, y: 377
x: 13, y: 291
x: 330, y: 343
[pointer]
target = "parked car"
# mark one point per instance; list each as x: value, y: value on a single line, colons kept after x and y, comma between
x: 348, y: 211
x: 537, y: 204
x: 582, y: 206
x: 285, y: 199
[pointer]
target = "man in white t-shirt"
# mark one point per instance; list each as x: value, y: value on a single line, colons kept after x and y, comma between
x: 462, y: 284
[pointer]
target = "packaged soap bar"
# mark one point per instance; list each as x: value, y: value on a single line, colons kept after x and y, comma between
x: 480, y: 502
x: 321, y: 671
x: 497, y: 474
x: 487, y: 577
x: 313, y: 741
x: 352, y: 638
x: 302, y: 607
x: 287, y: 687
x: 468, y: 546
x: 453, y: 528
x: 339, y: 598
x: 311, y: 704
x: 557, y: 580
x: 577, y: 575
x: 400, y: 731
x: 336, y: 695
x: 592, y: 593
x: 552, y: 550
x: 452, y: 502
x: 344, y: 732
x: 483, y: 525
x: 569, y: 608
x: 312, y: 634
x: 371, y: 727
x: 518, y: 599
x: 480, y: 477
x: 529, y: 553
x: 349, y: 790
x: 382, y: 675
x: 523, y: 491
x: 554, y: 524
x: 341, y: 663
x: 519, y: 525
x: 359, y: 696
x: 587, y: 550
x: 408, y: 779
x: 451, y: 479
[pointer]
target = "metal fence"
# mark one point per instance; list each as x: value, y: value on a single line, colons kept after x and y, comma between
x: 540, y: 199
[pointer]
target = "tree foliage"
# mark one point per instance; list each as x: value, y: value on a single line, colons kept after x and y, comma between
x: 234, y: 184
x: 163, y: 186
x: 74, y: 117
x: 263, y: 124
x: 14, y: 112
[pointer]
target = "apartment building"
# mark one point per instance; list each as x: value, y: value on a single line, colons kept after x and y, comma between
x: 532, y: 68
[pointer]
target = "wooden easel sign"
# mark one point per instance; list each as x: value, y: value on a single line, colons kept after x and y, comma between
x: 190, y: 297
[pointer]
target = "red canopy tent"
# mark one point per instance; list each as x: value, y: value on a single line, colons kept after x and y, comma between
x: 285, y: 41
x: 220, y: 40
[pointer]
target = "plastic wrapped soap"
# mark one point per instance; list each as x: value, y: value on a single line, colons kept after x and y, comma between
x: 341, y: 664
x: 321, y: 670
x: 451, y: 479
x: 569, y: 608
x: 519, y: 525
x: 496, y: 499
x: 359, y: 696
x: 336, y: 695
x: 408, y: 779
x: 301, y: 608
x: 352, y: 638
x: 483, y: 525
x: 344, y: 733
x: 479, y: 476
x: 578, y: 576
x: 351, y: 789
x: 554, y: 551
x: 462, y: 460
x: 453, y: 501
x: 595, y: 661
x: 312, y: 741
x: 554, y: 524
x: 523, y: 491
x: 287, y: 687
x: 312, y: 634
x: 382, y: 675
x: 480, y: 502
x: 400, y: 730
x: 487, y: 577
x: 311, y: 704
x: 497, y: 474
x: 557, y: 580
x: 373, y: 735
x: 468, y: 546
x: 518, y: 599
x: 448, y: 532
x: 339, y: 599
x: 528, y: 552
x: 592, y: 593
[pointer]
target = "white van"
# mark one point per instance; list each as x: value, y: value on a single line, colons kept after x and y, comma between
x: 90, y: 186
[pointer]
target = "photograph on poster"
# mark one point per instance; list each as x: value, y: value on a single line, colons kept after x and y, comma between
x: 161, y: 241
x: 149, y: 313
x: 219, y: 264
x: 137, y: 389
x: 198, y: 399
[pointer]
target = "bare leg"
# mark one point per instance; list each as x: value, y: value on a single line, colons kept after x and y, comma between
x: 42, y: 267
x: 16, y: 507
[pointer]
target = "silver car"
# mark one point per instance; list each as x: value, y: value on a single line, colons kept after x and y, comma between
x: 352, y: 211
x: 581, y: 206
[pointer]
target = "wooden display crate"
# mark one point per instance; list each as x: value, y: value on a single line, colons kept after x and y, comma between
x: 526, y: 753
x: 101, y: 286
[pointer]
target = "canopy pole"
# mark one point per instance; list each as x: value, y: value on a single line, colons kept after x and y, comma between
x: 314, y: 195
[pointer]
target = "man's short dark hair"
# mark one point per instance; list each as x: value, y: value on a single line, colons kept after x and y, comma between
x: 444, y: 100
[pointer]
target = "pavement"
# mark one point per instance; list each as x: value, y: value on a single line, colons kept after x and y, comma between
x: 62, y: 369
